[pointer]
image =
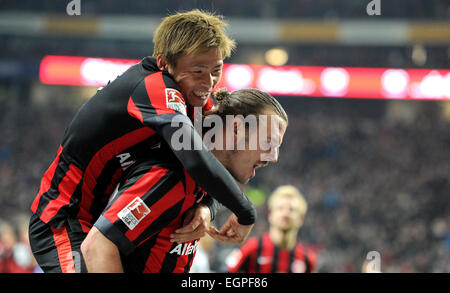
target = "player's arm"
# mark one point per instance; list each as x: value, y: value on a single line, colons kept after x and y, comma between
x: 100, y: 254
x: 205, y: 169
x: 149, y: 106
x: 142, y: 207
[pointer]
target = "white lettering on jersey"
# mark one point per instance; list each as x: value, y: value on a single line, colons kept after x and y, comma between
x: 123, y: 160
x: 185, y: 248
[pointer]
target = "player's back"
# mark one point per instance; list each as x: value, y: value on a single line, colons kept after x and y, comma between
x: 102, y: 140
x: 104, y: 117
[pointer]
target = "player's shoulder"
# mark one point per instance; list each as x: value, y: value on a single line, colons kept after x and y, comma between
x: 158, y: 159
x: 154, y: 76
x: 306, y: 249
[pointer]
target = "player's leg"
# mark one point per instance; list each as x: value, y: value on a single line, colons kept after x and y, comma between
x: 56, y: 250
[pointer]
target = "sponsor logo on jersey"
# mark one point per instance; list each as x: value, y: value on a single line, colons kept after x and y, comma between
x: 133, y: 213
x: 185, y: 248
x: 175, y: 101
x: 124, y: 162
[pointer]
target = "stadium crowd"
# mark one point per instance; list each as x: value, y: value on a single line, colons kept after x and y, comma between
x: 374, y: 181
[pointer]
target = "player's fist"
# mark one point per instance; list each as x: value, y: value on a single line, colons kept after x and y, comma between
x: 195, y: 225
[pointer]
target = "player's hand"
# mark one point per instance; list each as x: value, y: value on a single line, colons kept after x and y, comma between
x: 195, y: 225
x: 231, y: 231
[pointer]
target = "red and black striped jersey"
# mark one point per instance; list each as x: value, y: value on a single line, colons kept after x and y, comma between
x: 261, y: 255
x: 147, y: 208
x: 111, y: 131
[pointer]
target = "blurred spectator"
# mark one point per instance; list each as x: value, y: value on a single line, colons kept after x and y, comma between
x: 15, y: 252
x: 278, y: 249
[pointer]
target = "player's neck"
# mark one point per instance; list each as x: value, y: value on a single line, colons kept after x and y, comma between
x: 283, y: 239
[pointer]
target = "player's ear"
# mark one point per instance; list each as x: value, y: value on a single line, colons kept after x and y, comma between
x: 239, y: 135
x: 161, y: 62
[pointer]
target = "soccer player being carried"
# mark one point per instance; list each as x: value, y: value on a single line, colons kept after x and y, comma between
x: 121, y: 124
x: 244, y: 132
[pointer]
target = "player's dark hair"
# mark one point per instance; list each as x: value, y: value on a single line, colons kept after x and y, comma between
x: 246, y: 102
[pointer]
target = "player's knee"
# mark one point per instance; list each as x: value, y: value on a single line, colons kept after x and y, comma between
x: 85, y: 247
x: 88, y: 246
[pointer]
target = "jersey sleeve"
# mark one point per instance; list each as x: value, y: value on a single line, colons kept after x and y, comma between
x: 212, y: 204
x: 158, y: 104
x: 143, y: 206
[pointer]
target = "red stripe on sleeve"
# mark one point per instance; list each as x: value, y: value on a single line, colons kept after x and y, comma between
x: 134, y: 111
x: 157, y: 254
x: 168, y: 200
x: 46, y: 181
x: 66, y: 188
x: 99, y: 160
x: 138, y: 189
x: 164, y: 246
x: 156, y: 91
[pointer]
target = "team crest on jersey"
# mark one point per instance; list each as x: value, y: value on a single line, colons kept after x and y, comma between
x: 175, y: 101
x: 133, y: 213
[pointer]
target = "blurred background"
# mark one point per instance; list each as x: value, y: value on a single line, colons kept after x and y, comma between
x: 371, y: 156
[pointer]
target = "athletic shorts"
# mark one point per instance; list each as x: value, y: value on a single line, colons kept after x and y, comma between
x: 57, y: 250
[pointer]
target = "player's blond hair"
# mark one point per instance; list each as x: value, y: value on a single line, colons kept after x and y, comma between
x: 290, y: 192
x: 191, y: 32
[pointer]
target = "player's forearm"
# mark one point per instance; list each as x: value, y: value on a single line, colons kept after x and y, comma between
x: 212, y: 204
x: 100, y: 254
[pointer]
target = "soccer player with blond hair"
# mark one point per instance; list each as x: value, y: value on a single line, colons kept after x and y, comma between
x: 279, y: 249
